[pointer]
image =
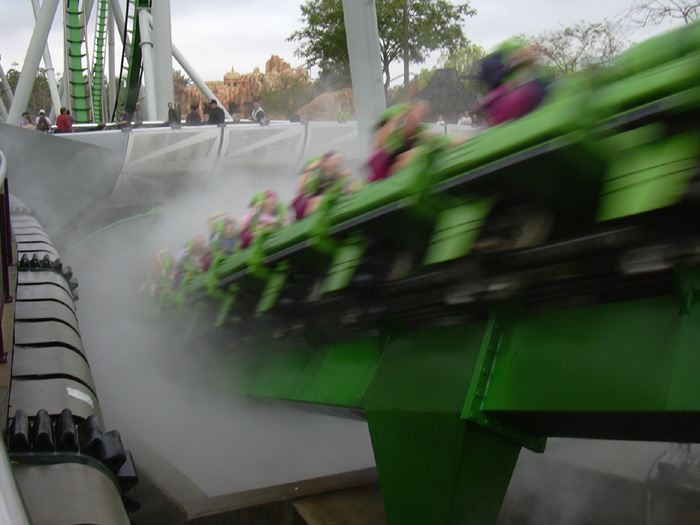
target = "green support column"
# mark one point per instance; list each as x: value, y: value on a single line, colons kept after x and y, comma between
x: 77, y: 66
x: 435, y: 467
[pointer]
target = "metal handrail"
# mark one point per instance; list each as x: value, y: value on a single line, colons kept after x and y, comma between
x: 3, y: 167
x: 5, y: 247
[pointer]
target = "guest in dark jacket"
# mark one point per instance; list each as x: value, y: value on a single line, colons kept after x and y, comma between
x: 173, y: 116
x: 216, y: 114
x: 193, y: 118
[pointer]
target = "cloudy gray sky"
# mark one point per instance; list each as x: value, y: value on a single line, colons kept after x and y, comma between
x: 216, y: 35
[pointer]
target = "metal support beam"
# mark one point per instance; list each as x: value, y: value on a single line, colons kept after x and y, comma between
x: 433, y: 466
x: 12, y: 509
x: 148, y: 66
x: 48, y: 64
x: 198, y: 81
x: 63, y: 92
x: 3, y: 111
x: 116, y: 11
x: 162, y: 57
x: 194, y: 76
x: 31, y: 61
x: 189, y: 70
x: 6, y: 85
x: 365, y: 65
x: 111, y: 57
x: 87, y: 11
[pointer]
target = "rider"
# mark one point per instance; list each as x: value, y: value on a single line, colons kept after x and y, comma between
x: 400, y: 131
x: 320, y: 176
x: 517, y: 85
x: 266, y: 213
x: 191, y: 258
x: 222, y: 233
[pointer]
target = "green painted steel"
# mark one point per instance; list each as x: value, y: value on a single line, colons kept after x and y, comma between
x: 456, y: 230
x: 81, y: 109
x: 480, y: 384
x: 650, y: 178
x: 98, y: 49
x: 624, y: 370
x: 335, y: 375
x: 618, y: 371
x: 433, y: 466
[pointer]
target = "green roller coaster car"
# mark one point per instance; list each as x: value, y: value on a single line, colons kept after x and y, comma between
x: 605, y: 145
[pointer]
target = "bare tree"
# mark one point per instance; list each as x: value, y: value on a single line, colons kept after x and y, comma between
x: 581, y: 46
x: 654, y: 12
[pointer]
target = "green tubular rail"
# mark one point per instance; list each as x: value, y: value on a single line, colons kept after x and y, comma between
x: 130, y: 73
x: 98, y: 73
x: 77, y: 67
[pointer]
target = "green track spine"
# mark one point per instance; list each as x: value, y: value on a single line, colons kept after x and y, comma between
x: 77, y: 65
x: 98, y: 73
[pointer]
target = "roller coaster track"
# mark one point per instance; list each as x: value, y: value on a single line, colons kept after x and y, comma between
x: 415, y: 300
x: 98, y: 73
x: 77, y: 64
x: 131, y: 63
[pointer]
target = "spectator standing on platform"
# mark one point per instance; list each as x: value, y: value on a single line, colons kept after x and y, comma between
x: 466, y: 120
x: 138, y: 115
x: 344, y: 114
x: 193, y: 118
x: 63, y: 123
x: 216, y: 114
x: 173, y: 117
x: 42, y: 122
x: 124, y: 120
x: 26, y: 121
x: 258, y: 114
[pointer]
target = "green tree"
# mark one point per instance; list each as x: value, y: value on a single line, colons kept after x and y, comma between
x: 433, y: 24
x: 12, y: 79
x: 290, y: 94
x: 424, y: 76
x: 463, y: 59
x: 333, y: 76
x: 40, y: 97
x: 466, y: 61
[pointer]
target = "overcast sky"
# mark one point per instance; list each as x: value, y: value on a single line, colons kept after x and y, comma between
x: 216, y: 35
